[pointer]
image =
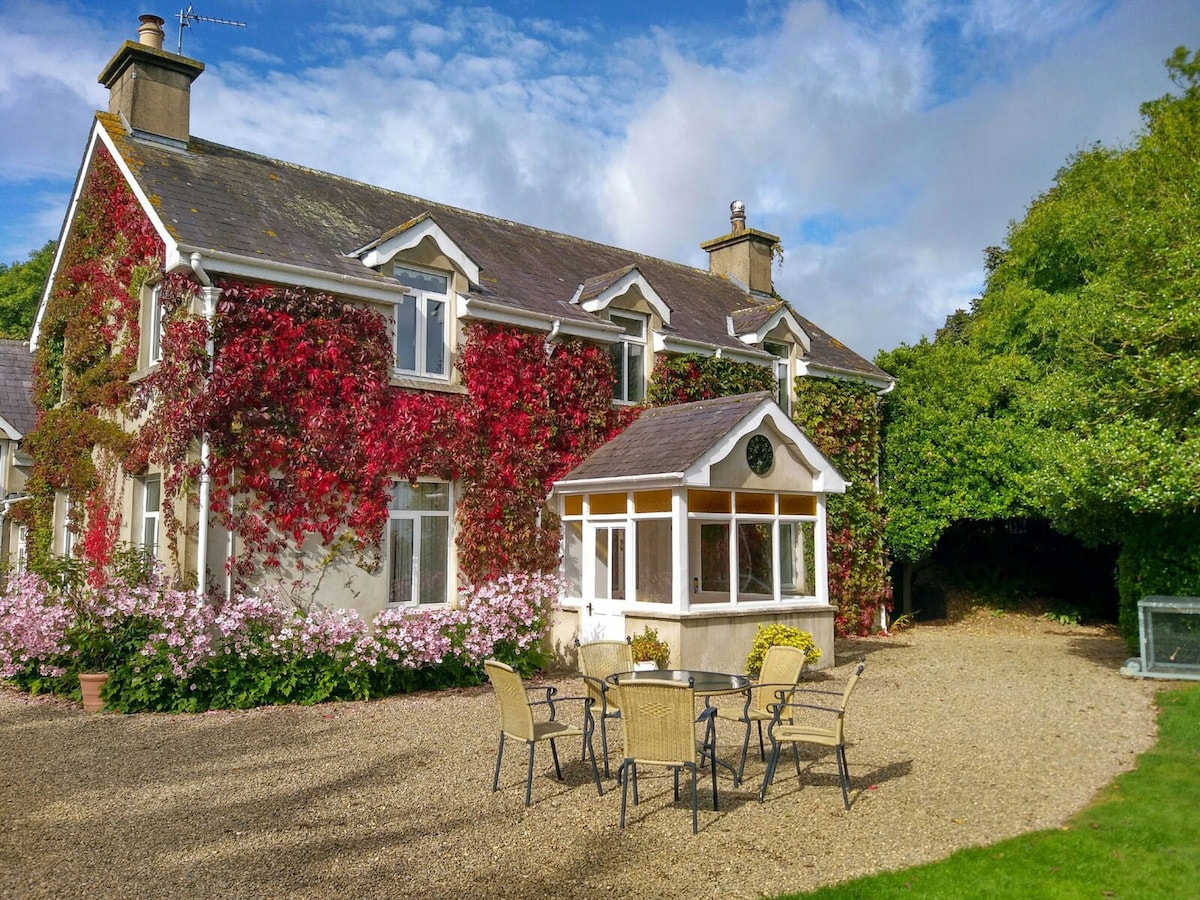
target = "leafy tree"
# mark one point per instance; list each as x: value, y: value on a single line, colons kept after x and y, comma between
x: 21, y: 286
x: 1071, y: 390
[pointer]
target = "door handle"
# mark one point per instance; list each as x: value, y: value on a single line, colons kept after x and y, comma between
x: 589, y: 609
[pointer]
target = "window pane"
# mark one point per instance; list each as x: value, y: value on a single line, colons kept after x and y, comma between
x: 714, y: 557
x: 755, y: 558
x: 400, y: 562
x: 617, y: 352
x: 153, y: 494
x: 573, y: 557
x: 421, y: 496
x: 610, y: 563
x: 422, y: 281
x: 654, y: 560
x: 150, y: 535
x: 155, y: 327
x: 435, y: 337
x: 433, y: 559
x: 633, y: 326
x: 406, y: 333
x: 797, y: 559
x: 636, y: 375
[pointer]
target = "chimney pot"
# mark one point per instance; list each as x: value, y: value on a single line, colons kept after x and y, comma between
x: 150, y: 32
x: 737, y: 216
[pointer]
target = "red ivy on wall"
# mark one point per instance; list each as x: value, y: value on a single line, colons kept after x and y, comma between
x: 86, y: 352
x: 306, y: 433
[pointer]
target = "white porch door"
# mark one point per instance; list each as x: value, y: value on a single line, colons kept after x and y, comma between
x: 603, y: 617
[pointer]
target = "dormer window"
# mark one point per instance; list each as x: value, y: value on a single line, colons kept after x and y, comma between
x: 422, y: 333
x: 629, y: 357
x: 783, y: 373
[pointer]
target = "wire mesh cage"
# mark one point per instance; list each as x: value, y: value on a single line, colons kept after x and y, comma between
x: 1169, y: 629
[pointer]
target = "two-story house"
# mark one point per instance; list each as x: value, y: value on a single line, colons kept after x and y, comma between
x: 705, y: 518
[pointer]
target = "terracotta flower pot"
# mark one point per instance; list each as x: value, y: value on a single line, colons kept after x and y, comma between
x: 90, y: 685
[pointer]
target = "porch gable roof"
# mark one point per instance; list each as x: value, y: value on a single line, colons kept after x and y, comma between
x: 677, y: 444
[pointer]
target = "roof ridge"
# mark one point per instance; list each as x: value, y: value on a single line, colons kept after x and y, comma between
x: 197, y: 145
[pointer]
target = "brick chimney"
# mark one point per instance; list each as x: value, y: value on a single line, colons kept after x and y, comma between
x: 744, y: 253
x: 151, y: 88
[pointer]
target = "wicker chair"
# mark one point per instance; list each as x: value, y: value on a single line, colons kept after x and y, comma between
x: 791, y: 704
x: 781, y: 668
x: 517, y: 722
x: 598, y: 660
x: 660, y: 730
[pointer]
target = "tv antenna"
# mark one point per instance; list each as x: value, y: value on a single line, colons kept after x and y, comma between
x: 187, y: 16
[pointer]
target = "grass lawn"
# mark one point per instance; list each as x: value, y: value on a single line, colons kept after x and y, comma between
x: 1140, y: 838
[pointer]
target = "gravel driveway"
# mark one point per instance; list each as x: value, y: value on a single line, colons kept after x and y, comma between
x: 959, y: 735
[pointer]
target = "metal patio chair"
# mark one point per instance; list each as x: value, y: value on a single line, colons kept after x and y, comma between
x: 517, y: 722
x: 660, y: 721
x: 792, y: 704
x: 781, y: 668
x: 598, y: 660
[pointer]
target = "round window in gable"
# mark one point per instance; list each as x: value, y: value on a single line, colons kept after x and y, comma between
x: 760, y: 456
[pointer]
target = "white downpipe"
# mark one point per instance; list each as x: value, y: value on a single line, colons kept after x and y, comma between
x: 209, y: 295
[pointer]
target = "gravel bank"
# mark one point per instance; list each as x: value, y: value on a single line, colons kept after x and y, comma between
x: 960, y: 735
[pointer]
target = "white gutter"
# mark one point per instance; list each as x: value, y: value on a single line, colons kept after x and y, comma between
x: 380, y: 289
x: 816, y: 369
x: 474, y: 308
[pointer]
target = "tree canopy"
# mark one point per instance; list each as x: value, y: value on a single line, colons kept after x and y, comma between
x: 1071, y: 390
x: 21, y: 286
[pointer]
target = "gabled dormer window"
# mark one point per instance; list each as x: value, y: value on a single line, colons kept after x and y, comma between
x: 629, y: 357
x: 422, y: 332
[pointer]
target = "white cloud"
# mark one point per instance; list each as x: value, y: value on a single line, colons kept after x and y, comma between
x: 886, y: 144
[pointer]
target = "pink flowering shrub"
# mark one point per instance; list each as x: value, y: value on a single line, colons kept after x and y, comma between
x: 167, y: 649
x: 33, y: 630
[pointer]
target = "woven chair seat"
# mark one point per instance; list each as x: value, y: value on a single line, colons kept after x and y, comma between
x: 543, y: 731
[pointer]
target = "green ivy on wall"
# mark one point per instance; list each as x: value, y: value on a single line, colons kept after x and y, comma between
x: 687, y: 377
x: 842, y: 418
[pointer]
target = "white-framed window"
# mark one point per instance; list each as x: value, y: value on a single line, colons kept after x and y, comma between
x: 422, y: 332
x: 783, y: 373
x: 150, y: 510
x: 155, y: 327
x: 629, y: 358
x: 419, y: 543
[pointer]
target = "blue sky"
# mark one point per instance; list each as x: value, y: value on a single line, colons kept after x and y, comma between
x: 886, y: 143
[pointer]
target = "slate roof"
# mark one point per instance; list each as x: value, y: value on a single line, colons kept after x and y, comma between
x: 212, y: 197
x: 667, y: 439
x: 16, y: 385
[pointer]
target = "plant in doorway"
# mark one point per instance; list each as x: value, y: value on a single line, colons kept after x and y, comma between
x: 648, y: 647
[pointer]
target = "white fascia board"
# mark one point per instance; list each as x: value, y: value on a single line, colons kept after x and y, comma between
x: 8, y: 431
x: 826, y: 478
x: 380, y: 290
x: 621, y: 287
x: 666, y: 343
x: 783, y: 314
x: 640, y: 482
x: 101, y: 135
x: 474, y: 308
x: 817, y: 370
x: 407, y: 238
